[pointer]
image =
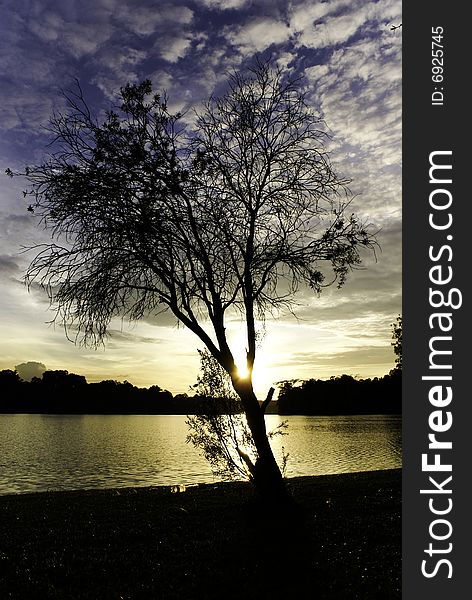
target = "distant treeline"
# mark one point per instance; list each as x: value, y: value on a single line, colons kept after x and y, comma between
x: 342, y: 395
x: 61, y: 392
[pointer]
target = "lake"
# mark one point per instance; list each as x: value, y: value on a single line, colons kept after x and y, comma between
x: 66, y: 452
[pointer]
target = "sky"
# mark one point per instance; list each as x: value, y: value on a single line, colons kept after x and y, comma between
x: 350, y: 60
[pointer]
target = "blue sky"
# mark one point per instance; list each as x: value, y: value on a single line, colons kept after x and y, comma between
x: 351, y: 64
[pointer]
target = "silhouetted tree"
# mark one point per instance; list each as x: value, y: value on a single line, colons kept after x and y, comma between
x: 63, y: 379
x: 9, y: 378
x: 224, y: 438
x: 220, y: 431
x: 343, y: 395
x: 397, y: 336
x: 11, y: 391
x: 232, y: 216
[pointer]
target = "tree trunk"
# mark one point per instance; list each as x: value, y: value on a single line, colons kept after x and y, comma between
x: 267, y: 477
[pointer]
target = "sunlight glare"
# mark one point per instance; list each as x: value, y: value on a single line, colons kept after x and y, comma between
x: 243, y: 372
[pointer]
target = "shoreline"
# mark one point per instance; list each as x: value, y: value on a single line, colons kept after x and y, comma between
x: 210, y: 541
x: 295, y: 481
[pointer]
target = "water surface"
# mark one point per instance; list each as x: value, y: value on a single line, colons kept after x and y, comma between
x: 59, y: 452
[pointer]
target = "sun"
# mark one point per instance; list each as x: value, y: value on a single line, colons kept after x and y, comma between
x: 243, y: 372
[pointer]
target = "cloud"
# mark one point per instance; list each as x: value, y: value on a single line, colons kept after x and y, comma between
x: 22, y: 110
x: 303, y: 15
x: 65, y: 29
x: 119, y: 58
x: 176, y: 48
x: 163, y: 319
x: 144, y: 20
x: 117, y: 64
x: 30, y: 369
x: 358, y: 90
x: 117, y: 337
x: 368, y: 359
x: 220, y: 5
x: 8, y: 265
x: 106, y: 40
x: 333, y: 32
x: 35, y: 59
x: 167, y: 24
x: 324, y: 25
x: 257, y: 34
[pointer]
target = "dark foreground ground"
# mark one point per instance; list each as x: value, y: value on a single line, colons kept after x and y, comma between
x: 209, y: 542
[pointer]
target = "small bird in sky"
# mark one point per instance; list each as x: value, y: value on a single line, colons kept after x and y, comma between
x: 395, y: 27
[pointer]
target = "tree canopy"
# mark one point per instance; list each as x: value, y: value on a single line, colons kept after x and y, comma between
x: 235, y: 212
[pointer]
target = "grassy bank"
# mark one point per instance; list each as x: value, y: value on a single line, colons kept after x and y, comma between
x: 209, y: 542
